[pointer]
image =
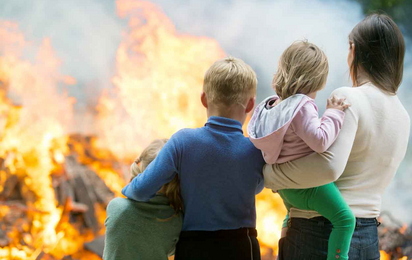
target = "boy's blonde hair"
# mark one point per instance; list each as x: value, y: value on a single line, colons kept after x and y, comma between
x: 172, y: 189
x: 303, y: 68
x: 229, y: 81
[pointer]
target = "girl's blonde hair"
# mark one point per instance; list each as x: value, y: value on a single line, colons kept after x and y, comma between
x: 172, y: 189
x: 303, y: 69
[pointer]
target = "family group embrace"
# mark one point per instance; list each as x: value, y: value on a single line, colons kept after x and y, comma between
x: 193, y: 196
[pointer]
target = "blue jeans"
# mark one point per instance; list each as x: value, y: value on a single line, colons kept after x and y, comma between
x: 307, y: 239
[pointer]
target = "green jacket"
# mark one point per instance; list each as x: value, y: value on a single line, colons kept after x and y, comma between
x: 141, y: 230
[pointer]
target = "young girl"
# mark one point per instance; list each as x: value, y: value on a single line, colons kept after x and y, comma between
x: 287, y: 126
x: 144, y: 230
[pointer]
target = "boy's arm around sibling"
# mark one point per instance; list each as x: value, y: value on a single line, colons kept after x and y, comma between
x: 159, y: 172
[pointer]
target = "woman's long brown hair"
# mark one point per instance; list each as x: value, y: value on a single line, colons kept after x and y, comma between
x: 379, y: 52
x: 172, y: 189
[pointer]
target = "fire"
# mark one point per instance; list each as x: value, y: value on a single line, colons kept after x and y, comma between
x: 158, y: 81
x: 403, y: 229
x: 101, y: 161
x: 385, y: 256
x: 33, y: 141
x: 270, y: 215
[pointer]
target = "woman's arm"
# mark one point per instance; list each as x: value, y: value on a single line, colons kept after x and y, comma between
x: 317, y: 169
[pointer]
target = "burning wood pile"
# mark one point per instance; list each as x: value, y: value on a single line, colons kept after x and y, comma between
x: 395, y: 238
x: 81, y: 195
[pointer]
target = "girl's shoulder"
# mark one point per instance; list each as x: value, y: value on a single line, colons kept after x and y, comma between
x: 157, y: 207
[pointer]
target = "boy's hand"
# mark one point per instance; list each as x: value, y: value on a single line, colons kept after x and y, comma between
x: 337, y: 103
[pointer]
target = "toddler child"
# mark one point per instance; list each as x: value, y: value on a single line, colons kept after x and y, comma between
x: 287, y: 126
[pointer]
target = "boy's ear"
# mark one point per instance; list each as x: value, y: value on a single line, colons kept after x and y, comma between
x: 250, y: 104
x: 203, y: 98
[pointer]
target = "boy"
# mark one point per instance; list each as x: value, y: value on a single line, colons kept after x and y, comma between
x: 220, y: 170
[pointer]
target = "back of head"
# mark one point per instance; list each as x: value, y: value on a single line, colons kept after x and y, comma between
x: 303, y: 68
x: 229, y: 81
x: 172, y: 189
x: 379, y: 52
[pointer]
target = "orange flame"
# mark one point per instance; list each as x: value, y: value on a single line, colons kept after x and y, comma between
x: 159, y: 77
x: 386, y: 256
x: 33, y: 141
x: 270, y: 214
x: 403, y: 229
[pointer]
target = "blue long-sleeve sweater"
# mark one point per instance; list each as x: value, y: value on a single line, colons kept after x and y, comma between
x: 220, y: 172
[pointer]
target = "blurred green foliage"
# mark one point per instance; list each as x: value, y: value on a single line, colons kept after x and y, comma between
x: 370, y: 5
x: 399, y: 10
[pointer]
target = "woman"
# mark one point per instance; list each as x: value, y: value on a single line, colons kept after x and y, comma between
x: 367, y: 153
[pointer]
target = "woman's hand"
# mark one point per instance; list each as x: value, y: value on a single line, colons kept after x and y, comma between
x: 337, y: 103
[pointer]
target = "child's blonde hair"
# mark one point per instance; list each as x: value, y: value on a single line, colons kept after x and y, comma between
x: 303, y: 68
x: 229, y: 81
x: 172, y: 189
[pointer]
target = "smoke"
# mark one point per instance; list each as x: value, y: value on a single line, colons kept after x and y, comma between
x: 86, y: 34
x: 259, y: 31
x: 398, y: 196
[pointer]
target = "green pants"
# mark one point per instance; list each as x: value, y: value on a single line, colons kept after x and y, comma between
x: 327, y: 201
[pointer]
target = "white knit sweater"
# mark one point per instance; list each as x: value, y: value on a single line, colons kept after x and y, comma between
x: 362, y: 161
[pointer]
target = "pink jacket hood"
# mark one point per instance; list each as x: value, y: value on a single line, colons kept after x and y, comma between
x: 270, y: 123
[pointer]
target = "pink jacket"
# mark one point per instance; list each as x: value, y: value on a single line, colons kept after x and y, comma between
x: 292, y: 129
